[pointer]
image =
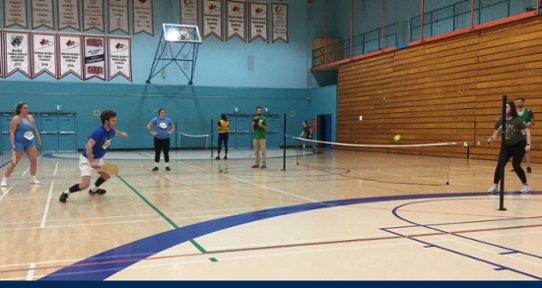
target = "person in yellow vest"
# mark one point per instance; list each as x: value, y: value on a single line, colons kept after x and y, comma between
x: 223, y: 126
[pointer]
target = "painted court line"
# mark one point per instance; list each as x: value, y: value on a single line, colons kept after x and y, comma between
x: 201, y: 249
x: 30, y: 275
x: 5, y: 193
x: 47, y: 205
x: 56, y: 169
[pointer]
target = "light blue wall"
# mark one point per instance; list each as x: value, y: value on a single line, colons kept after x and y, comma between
x: 401, y: 10
x: 325, y: 101
x: 280, y: 81
x: 276, y: 65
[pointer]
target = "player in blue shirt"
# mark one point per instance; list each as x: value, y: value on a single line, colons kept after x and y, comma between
x: 161, y: 137
x: 91, y: 158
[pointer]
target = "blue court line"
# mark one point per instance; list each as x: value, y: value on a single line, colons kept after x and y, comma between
x: 5, y: 164
x: 499, y: 267
x: 146, y: 247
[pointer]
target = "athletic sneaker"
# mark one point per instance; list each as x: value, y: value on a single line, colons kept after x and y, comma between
x: 528, y: 169
x: 255, y: 166
x: 63, y: 197
x: 225, y: 157
x: 217, y: 158
x: 525, y: 188
x: 155, y: 168
x: 4, y: 183
x: 493, y: 190
x: 35, y: 181
x: 264, y: 166
x: 97, y: 192
x: 167, y: 168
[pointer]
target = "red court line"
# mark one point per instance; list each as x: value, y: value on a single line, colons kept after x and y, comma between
x: 266, y: 248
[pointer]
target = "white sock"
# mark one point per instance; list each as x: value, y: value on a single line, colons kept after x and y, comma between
x: 67, y: 191
x: 33, y: 177
x: 5, y: 178
x: 155, y: 164
x: 94, y: 189
x: 167, y: 164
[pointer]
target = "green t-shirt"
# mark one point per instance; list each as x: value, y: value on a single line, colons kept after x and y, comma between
x: 259, y: 133
x: 527, y: 115
x: 514, y: 130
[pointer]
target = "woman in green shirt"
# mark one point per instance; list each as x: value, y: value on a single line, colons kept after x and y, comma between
x: 516, y: 146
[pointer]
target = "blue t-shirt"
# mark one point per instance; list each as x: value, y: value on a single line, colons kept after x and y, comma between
x: 103, y: 141
x: 161, y: 126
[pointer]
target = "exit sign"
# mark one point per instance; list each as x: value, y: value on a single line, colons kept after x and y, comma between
x: 58, y: 107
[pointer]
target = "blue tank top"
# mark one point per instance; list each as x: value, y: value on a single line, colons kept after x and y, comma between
x: 24, y: 131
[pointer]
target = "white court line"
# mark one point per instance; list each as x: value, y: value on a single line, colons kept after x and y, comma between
x: 273, y: 189
x: 47, y: 205
x: 5, y: 193
x: 56, y: 169
x: 30, y: 275
x: 25, y: 171
x: 184, y: 163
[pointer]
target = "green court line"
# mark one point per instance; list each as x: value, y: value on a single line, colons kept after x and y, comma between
x: 165, y: 217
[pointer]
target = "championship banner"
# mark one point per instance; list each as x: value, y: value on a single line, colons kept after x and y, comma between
x: 189, y: 12
x: 42, y: 14
x: 44, y: 54
x: 118, y: 16
x: 236, y: 20
x: 94, y: 64
x: 119, y: 57
x: 70, y: 55
x: 280, y: 21
x: 258, y: 20
x: 68, y: 14
x: 17, y: 52
x: 93, y: 15
x: 143, y: 17
x: 15, y: 13
x: 212, y: 18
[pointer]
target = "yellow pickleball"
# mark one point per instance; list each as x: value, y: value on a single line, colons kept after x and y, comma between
x: 397, y: 138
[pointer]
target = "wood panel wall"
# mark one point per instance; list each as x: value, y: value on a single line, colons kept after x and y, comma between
x: 448, y: 90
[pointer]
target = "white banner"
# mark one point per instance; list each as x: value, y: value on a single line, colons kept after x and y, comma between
x: 143, y: 17
x: 258, y: 20
x: 16, y: 52
x: 118, y: 16
x: 119, y: 57
x: 236, y: 20
x: 280, y: 21
x: 70, y: 55
x: 15, y: 13
x: 93, y: 15
x: 44, y: 54
x: 189, y: 12
x: 94, y: 65
x: 212, y: 18
x: 42, y: 14
x: 68, y: 14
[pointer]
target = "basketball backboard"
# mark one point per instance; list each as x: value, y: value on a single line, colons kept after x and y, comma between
x: 181, y: 33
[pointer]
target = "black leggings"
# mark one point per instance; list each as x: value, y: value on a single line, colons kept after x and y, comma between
x: 223, y: 137
x: 517, y: 151
x: 160, y: 144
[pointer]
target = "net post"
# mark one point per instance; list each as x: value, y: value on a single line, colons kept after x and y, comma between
x: 284, y: 148
x: 501, y: 154
x: 212, y: 137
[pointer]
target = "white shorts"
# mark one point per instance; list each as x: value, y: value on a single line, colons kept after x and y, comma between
x: 84, y: 165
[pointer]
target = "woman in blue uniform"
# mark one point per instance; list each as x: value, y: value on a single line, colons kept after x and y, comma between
x: 21, y: 133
